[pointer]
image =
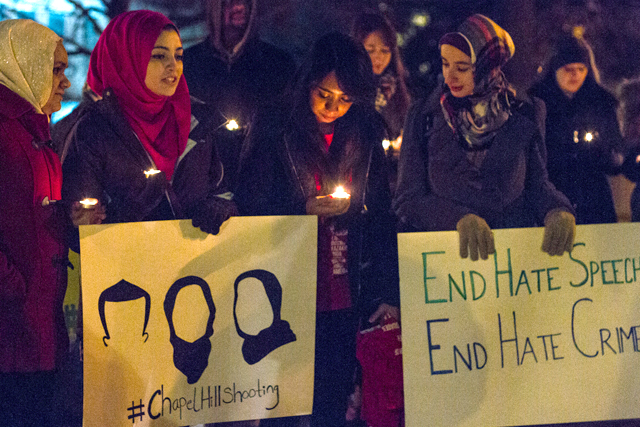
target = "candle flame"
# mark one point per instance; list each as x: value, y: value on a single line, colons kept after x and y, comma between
x: 396, y: 143
x: 232, y: 125
x: 339, y: 193
x: 588, y: 137
x: 89, y: 202
x: 151, y: 172
x: 386, y: 144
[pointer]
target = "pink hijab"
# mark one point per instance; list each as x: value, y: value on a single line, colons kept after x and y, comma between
x: 119, y: 61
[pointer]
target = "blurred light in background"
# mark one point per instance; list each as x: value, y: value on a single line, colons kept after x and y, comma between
x: 420, y: 19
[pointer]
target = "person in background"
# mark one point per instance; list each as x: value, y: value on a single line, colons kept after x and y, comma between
x: 475, y: 161
x: 378, y: 37
x: 583, y: 138
x: 33, y: 253
x: 630, y: 120
x: 142, y: 152
x: 296, y: 160
x: 235, y: 73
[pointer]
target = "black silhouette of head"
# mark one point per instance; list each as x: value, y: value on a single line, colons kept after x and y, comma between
x: 190, y: 358
x: 123, y: 291
x: 256, y: 347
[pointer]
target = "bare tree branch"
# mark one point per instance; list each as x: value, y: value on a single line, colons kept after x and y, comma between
x: 85, y: 13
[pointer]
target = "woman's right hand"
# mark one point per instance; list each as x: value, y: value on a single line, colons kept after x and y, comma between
x: 81, y: 215
x: 475, y: 236
x: 327, y: 206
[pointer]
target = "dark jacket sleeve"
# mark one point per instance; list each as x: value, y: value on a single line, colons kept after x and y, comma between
x: 415, y: 205
x: 614, y: 147
x: 540, y: 192
x: 264, y: 185
x: 83, y: 164
x: 101, y: 164
x: 380, y: 282
x: 200, y: 180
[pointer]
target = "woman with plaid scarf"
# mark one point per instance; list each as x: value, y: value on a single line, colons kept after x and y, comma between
x: 475, y: 160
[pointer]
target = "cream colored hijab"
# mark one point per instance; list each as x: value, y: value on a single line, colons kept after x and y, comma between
x: 26, y: 59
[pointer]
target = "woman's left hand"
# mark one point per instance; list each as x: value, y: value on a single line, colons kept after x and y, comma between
x: 81, y: 215
x: 559, y: 232
x: 383, y: 310
x: 327, y: 206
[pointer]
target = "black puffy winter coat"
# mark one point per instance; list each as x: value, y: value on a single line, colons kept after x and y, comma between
x: 106, y: 161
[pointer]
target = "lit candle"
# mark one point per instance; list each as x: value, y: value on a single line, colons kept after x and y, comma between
x: 339, y: 193
x: 588, y: 137
x: 386, y: 144
x: 396, y: 143
x: 232, y: 125
x: 151, y: 172
x: 89, y: 203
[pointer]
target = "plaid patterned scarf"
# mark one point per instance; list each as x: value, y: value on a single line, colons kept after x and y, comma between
x: 477, y: 118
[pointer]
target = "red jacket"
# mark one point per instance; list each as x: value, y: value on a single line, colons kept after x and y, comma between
x: 33, y: 272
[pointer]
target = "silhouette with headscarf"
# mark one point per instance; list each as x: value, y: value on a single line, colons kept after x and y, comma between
x: 256, y: 347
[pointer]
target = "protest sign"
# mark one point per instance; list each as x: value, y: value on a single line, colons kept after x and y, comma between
x: 521, y: 338
x: 182, y: 327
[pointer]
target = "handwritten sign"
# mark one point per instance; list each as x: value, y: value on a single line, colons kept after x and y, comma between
x: 521, y: 338
x: 184, y: 328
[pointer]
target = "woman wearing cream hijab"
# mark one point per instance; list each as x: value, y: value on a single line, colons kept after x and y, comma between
x: 33, y: 255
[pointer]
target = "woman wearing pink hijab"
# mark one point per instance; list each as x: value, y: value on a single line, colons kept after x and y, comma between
x: 141, y: 153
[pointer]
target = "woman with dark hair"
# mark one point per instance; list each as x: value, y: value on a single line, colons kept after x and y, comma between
x: 144, y: 152
x: 475, y: 160
x: 294, y: 160
x: 583, y: 138
x: 378, y: 37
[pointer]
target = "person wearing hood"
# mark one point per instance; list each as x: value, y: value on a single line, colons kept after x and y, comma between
x: 33, y: 253
x: 583, y: 138
x: 144, y: 151
x: 475, y: 160
x: 236, y: 73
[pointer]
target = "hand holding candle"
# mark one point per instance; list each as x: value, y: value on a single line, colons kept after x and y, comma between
x: 87, y: 211
x: 333, y: 204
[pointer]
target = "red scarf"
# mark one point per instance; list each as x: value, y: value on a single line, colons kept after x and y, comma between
x: 119, y: 61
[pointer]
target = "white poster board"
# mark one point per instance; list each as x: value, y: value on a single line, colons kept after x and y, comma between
x: 522, y: 338
x: 182, y: 327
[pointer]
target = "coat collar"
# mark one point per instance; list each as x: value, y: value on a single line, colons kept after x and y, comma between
x: 13, y: 106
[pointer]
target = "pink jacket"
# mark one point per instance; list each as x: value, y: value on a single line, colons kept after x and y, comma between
x: 33, y: 255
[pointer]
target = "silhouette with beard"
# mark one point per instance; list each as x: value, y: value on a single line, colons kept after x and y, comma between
x: 120, y: 292
x: 256, y: 347
x: 190, y: 358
